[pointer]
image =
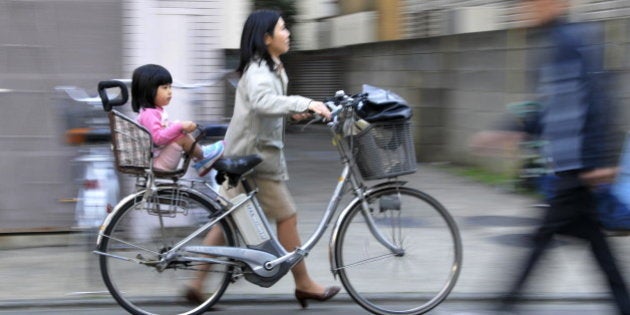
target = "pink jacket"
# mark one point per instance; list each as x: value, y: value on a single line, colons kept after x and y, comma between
x: 156, y: 121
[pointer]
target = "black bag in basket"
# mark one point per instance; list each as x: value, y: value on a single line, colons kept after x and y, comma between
x: 383, y: 105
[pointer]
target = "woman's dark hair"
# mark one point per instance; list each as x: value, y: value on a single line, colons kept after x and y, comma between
x: 258, y: 24
x: 144, y: 84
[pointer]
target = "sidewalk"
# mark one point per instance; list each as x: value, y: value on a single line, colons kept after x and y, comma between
x: 493, y: 225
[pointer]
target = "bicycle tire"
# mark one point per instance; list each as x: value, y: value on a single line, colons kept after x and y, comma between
x: 135, y: 232
x: 411, y: 283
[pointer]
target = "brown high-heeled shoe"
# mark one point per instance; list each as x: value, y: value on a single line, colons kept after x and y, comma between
x: 303, y: 296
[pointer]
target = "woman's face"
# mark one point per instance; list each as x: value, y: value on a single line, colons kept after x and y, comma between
x: 163, y: 95
x: 278, y: 43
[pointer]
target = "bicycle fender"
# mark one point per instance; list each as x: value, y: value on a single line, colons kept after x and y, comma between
x: 344, y: 213
x: 117, y: 208
x: 139, y: 195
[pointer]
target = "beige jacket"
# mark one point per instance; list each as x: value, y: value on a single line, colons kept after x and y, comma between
x: 257, y: 126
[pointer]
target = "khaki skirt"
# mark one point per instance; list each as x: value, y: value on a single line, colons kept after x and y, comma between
x: 273, y: 195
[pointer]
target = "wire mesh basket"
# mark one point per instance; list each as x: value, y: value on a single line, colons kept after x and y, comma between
x: 167, y: 203
x: 384, y: 149
x: 132, y: 144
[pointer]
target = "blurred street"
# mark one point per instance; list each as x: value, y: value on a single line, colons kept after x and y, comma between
x: 458, y: 63
x: 340, y: 306
x: 56, y: 273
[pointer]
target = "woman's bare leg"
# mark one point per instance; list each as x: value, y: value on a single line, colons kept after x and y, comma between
x: 213, y: 238
x: 290, y: 239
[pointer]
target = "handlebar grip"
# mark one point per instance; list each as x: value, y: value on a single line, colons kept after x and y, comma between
x: 122, y: 98
x: 214, y: 130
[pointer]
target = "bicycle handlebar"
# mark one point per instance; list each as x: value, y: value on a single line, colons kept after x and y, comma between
x: 342, y: 102
x: 337, y: 105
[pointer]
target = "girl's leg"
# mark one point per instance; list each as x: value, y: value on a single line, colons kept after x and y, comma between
x: 187, y: 142
x: 169, y: 157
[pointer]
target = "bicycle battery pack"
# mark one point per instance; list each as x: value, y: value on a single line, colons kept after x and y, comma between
x: 249, y: 222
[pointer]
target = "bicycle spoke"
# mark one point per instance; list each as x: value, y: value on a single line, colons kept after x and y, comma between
x: 132, y: 235
x: 129, y: 244
x: 365, y: 261
x: 418, y: 233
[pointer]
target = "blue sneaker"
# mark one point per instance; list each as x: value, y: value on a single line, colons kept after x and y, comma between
x: 211, y: 154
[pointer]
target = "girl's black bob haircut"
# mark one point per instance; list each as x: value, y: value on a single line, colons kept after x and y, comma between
x: 258, y: 24
x: 144, y: 84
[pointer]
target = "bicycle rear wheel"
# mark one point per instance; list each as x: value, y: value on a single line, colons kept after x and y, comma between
x: 413, y: 280
x: 134, y: 242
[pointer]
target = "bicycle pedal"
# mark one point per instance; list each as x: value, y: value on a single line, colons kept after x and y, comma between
x: 235, y: 277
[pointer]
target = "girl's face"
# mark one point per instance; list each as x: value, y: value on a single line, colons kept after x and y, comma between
x: 278, y: 43
x: 163, y: 95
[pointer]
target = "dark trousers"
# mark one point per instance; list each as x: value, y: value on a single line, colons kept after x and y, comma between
x: 573, y: 212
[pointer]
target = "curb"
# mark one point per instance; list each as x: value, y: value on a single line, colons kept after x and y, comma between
x: 239, y: 299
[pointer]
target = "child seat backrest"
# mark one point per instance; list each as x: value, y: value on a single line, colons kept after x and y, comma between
x: 132, y: 144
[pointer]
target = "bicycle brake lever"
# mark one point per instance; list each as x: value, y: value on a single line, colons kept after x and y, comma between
x: 314, y: 120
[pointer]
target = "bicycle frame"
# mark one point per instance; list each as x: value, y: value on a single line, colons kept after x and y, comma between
x: 384, y: 227
x: 268, y: 261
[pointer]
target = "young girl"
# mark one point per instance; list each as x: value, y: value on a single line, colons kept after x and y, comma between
x: 257, y: 127
x: 151, y: 92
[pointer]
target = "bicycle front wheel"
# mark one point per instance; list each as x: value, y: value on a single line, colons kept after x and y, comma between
x: 133, y: 265
x: 402, y: 256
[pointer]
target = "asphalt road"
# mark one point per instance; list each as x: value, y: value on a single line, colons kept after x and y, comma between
x: 344, y: 307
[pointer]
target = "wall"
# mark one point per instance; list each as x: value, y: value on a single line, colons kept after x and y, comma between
x: 44, y: 44
x: 460, y: 84
x: 188, y: 38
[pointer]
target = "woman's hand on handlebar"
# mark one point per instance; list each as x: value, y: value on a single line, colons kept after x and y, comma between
x: 320, y: 109
x: 301, y: 116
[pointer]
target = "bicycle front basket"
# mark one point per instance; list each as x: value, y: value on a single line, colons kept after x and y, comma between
x: 384, y: 149
x: 132, y: 144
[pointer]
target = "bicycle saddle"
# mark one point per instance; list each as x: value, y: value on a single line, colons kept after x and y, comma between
x: 235, y: 167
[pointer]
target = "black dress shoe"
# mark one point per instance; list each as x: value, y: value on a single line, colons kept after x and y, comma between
x: 303, y: 296
x: 193, y: 296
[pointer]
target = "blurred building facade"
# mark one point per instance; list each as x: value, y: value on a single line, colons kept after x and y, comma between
x: 458, y: 62
x: 188, y: 38
x: 44, y: 44
x: 325, y: 24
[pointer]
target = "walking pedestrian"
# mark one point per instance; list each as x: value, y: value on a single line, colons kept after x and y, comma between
x: 575, y: 123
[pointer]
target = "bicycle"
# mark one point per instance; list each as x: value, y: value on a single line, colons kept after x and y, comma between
x: 97, y: 181
x: 152, y: 242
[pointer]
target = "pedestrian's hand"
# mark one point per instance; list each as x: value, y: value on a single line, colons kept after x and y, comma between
x: 495, y: 142
x: 319, y: 108
x: 599, y: 176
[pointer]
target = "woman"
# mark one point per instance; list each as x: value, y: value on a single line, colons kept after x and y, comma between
x: 257, y: 127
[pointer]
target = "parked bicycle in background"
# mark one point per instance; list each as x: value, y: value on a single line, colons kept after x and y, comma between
x: 98, y: 184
